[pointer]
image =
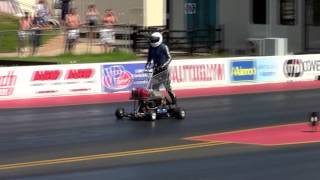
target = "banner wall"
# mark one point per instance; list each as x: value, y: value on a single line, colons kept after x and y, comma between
x: 79, y: 79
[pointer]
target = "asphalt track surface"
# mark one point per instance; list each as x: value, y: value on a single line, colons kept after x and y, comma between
x: 87, y: 142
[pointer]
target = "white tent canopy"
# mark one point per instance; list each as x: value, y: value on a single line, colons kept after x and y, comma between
x: 10, y: 7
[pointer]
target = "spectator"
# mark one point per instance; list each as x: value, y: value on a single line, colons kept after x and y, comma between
x: 25, y: 24
x: 107, y: 34
x: 92, y: 15
x: 73, y: 25
x: 42, y: 13
x: 36, y: 34
x: 65, y: 7
x: 73, y: 19
x: 109, y: 18
x: 92, y: 20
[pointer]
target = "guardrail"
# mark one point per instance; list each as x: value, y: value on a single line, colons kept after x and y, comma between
x: 125, y: 38
x: 26, y: 42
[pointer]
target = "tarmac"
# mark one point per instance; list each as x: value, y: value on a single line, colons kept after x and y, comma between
x: 88, y: 142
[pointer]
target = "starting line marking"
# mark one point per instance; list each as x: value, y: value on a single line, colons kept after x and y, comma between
x: 288, y: 134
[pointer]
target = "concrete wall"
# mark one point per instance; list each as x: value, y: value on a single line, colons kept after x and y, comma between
x: 177, y: 16
x: 139, y: 12
x: 154, y: 12
x: 314, y: 37
x: 128, y: 12
x: 236, y: 16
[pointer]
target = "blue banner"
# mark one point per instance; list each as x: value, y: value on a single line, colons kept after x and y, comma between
x: 243, y: 71
x: 123, y: 77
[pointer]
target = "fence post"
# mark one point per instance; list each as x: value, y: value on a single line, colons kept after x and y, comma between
x: 134, y: 38
x: 192, y: 41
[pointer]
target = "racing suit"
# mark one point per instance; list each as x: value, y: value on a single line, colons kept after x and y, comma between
x: 161, y: 58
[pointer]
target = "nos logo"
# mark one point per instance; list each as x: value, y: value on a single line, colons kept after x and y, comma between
x: 293, y: 68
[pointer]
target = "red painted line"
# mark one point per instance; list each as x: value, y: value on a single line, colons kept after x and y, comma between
x: 267, y: 136
x: 182, y: 93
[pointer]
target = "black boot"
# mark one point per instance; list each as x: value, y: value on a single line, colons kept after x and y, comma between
x: 173, y: 98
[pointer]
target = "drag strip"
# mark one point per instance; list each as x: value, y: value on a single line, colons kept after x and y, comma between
x: 88, y: 142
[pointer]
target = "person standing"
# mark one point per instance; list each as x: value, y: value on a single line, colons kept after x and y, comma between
x: 25, y: 24
x: 42, y: 13
x: 73, y: 19
x: 107, y: 34
x: 36, y: 33
x: 92, y: 15
x: 73, y: 25
x: 65, y: 7
x: 109, y: 19
x: 159, y: 54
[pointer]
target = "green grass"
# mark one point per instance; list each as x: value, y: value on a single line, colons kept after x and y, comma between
x: 77, y: 59
x: 8, y: 34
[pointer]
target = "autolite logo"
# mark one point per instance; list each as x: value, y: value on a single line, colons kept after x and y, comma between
x: 7, y: 84
x: 293, y: 68
x: 194, y: 73
x: 47, y: 75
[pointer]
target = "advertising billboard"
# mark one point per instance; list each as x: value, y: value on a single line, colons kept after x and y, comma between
x: 47, y: 81
x: 123, y: 77
x: 268, y: 70
x: 243, y: 71
x: 198, y: 73
x: 304, y: 67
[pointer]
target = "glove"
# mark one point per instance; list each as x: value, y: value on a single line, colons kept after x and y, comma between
x: 164, y: 66
x: 158, y: 68
x: 147, y: 66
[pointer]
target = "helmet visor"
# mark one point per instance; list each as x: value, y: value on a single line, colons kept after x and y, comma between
x: 154, y: 39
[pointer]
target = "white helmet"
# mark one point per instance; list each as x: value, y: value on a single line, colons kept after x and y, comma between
x: 156, y: 39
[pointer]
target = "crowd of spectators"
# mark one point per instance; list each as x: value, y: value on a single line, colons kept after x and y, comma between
x: 31, y: 26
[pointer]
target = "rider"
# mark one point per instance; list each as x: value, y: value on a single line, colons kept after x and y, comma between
x: 160, y: 55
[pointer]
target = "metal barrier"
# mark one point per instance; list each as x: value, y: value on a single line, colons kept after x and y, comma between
x: 121, y: 38
x: 26, y: 42
x: 181, y: 41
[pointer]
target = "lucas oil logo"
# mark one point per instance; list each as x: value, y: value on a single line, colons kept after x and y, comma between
x: 116, y: 78
x: 243, y: 71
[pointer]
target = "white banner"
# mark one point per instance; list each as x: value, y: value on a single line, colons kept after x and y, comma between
x: 199, y: 73
x: 300, y: 67
x: 46, y: 81
x: 79, y: 79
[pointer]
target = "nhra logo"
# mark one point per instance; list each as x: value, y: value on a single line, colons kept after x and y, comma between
x: 293, y: 68
x: 117, y: 78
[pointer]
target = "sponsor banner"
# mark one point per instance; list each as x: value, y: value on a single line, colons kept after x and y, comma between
x: 8, y: 81
x: 64, y: 80
x: 198, y: 73
x: 45, y: 81
x: 123, y: 77
x: 268, y: 70
x: 68, y: 80
x: 305, y: 67
x: 243, y: 71
x: 183, y: 74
